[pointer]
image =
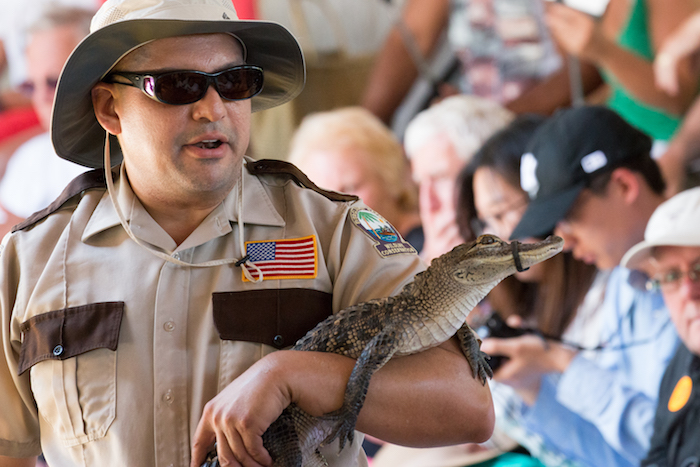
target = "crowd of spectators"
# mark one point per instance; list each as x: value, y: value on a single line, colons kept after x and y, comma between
x: 501, y: 145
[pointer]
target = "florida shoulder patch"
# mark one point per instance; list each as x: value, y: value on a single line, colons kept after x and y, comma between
x: 292, y: 258
x: 387, y: 240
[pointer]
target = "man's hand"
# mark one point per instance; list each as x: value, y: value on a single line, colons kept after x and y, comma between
x: 530, y: 357
x: 576, y: 32
x: 683, y: 43
x: 239, y: 415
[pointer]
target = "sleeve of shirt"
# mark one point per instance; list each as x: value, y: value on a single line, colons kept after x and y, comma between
x: 359, y: 271
x: 24, y: 189
x: 565, y: 431
x: 10, y: 187
x: 19, y: 423
x: 623, y: 414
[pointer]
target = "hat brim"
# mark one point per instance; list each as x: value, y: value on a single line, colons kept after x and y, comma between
x: 75, y: 132
x: 642, y: 251
x: 542, y: 215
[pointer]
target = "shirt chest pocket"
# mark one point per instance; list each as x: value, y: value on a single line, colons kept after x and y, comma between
x: 72, y: 359
x: 254, y: 323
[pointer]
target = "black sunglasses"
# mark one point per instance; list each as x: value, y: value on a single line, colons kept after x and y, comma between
x: 185, y: 87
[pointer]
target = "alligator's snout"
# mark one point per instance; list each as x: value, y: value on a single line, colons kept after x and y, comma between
x: 528, y: 254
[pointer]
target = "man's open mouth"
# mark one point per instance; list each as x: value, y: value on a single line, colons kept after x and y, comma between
x: 209, y: 144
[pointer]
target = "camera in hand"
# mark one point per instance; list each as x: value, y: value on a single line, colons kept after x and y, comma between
x: 495, y: 326
x: 212, y: 459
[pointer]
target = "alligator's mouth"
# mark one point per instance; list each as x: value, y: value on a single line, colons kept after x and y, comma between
x: 529, y: 254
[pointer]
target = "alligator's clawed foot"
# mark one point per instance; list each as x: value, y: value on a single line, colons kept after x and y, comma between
x: 478, y: 360
x: 480, y: 366
x: 343, y: 421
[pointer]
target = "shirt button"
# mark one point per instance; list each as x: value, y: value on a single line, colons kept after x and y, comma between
x: 278, y: 340
x: 176, y: 256
x: 58, y: 350
x: 168, y: 397
x: 169, y: 326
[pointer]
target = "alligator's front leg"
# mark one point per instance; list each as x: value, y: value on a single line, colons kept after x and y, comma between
x: 471, y: 346
x: 375, y: 354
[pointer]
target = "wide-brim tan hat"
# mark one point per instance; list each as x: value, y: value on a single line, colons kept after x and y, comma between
x: 120, y: 26
x: 676, y: 222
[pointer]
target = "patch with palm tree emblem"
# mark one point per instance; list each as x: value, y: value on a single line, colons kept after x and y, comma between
x: 388, y: 241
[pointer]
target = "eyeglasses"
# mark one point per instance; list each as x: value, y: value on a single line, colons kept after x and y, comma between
x: 28, y: 87
x: 490, y: 223
x: 670, y: 280
x: 185, y: 87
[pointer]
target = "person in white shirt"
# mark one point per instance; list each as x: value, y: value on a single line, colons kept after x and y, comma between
x: 35, y: 176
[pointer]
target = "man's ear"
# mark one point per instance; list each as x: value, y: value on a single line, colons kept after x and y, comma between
x: 627, y: 183
x: 103, y: 100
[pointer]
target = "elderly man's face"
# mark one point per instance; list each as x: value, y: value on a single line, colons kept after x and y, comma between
x: 677, y: 269
x: 435, y: 167
x: 189, y: 153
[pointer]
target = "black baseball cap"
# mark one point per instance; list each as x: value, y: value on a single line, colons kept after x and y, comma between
x: 566, y: 151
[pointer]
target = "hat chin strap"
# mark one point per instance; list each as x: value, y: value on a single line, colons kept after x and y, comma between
x: 244, y: 262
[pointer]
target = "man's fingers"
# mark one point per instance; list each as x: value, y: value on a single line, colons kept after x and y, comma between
x: 665, y: 73
x: 253, y: 447
x: 224, y: 450
x: 204, y: 438
x: 495, y: 346
x: 514, y: 321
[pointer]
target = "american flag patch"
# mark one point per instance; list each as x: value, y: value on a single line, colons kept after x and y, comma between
x: 293, y: 258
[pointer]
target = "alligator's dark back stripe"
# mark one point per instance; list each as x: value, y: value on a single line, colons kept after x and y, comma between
x: 89, y: 180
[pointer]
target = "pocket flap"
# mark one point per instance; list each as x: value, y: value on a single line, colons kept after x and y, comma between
x: 62, y: 334
x: 276, y: 317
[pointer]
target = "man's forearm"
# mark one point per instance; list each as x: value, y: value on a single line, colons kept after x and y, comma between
x: 15, y: 462
x: 554, y: 91
x: 428, y: 399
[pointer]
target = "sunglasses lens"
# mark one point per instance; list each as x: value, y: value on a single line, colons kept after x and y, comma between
x: 186, y: 87
x: 240, y: 83
x: 180, y: 88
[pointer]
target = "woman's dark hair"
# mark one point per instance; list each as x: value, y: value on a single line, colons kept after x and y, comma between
x: 501, y: 152
x: 552, y: 303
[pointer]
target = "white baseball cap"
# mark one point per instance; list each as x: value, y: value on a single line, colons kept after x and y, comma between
x: 676, y: 222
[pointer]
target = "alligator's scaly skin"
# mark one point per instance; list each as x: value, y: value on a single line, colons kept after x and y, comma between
x: 426, y: 313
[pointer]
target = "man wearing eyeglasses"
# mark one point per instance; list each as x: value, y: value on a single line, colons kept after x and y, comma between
x: 141, y: 311
x: 670, y: 255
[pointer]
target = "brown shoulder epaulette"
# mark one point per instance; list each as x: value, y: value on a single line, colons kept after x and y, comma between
x: 86, y: 181
x: 270, y: 166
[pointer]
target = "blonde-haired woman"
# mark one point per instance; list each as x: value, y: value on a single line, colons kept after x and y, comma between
x: 351, y: 151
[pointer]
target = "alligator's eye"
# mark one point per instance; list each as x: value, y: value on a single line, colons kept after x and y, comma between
x: 487, y: 240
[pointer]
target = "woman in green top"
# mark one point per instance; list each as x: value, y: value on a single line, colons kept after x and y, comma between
x: 623, y: 45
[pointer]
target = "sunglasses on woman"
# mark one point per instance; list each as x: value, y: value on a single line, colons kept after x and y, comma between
x: 185, y: 87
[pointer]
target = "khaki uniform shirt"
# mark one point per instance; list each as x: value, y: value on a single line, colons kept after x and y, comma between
x: 110, y: 353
